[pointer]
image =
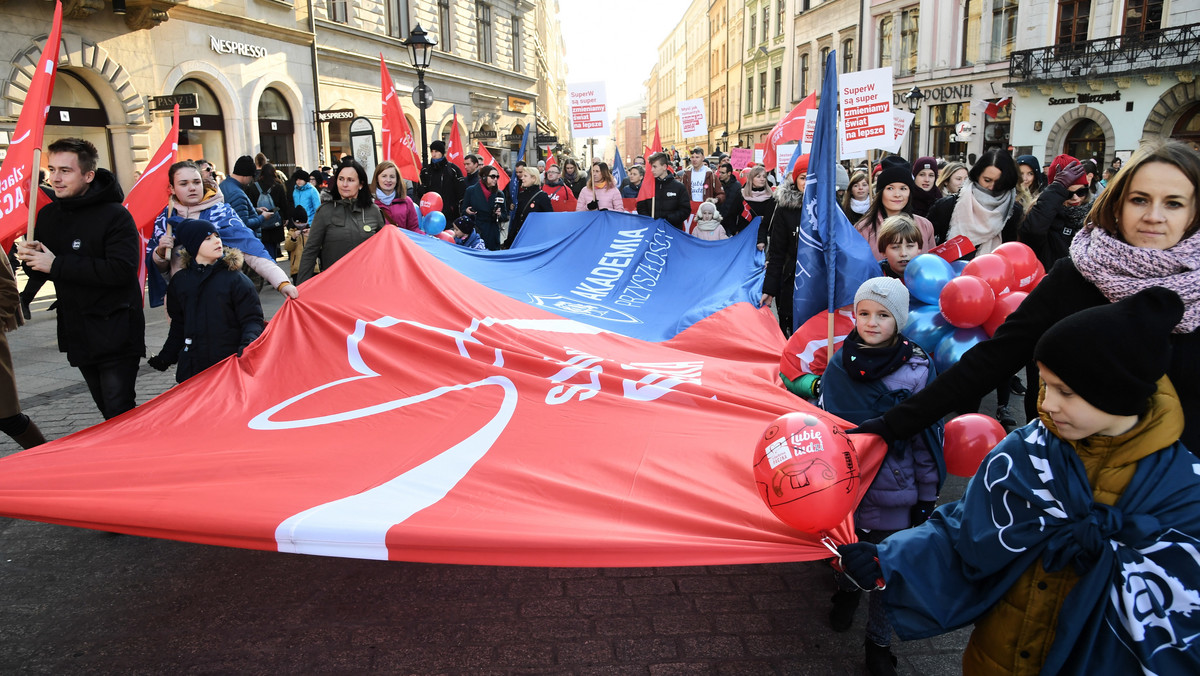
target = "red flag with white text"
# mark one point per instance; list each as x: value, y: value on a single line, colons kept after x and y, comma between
x: 399, y: 146
x: 148, y: 197
x: 790, y: 128
x: 491, y: 162
x: 18, y: 176
x: 455, y: 150
x: 551, y: 161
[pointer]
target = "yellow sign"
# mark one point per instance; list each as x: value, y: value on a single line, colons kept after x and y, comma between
x: 517, y: 104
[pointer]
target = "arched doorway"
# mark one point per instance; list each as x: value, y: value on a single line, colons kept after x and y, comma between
x: 76, y: 111
x: 1187, y: 127
x: 202, y: 133
x: 1085, y: 140
x: 276, y: 130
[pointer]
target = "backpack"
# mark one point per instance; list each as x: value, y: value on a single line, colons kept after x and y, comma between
x: 267, y: 202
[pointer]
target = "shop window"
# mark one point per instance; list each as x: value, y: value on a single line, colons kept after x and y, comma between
x: 338, y: 10
x: 941, y: 128
x: 397, y: 18
x: 1142, y: 16
x: 971, y: 20
x: 1004, y: 29
x: 885, y: 41
x: 1085, y: 140
x: 76, y: 111
x: 1187, y: 129
x: 483, y: 31
x: 202, y: 133
x: 276, y: 132
x: 909, y: 20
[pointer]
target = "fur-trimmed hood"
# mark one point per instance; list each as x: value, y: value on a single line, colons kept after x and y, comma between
x: 232, y: 258
x: 787, y: 196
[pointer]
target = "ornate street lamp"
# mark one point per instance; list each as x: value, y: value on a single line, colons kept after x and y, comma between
x: 914, y: 97
x: 420, y: 51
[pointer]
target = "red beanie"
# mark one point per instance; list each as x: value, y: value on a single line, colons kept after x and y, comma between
x: 801, y: 169
x: 1058, y: 164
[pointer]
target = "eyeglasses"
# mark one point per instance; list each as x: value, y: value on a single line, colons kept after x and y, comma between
x: 1079, y: 192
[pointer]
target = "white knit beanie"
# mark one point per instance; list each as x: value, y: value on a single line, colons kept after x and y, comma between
x: 888, y: 292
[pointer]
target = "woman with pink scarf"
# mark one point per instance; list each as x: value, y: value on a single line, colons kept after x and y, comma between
x: 1141, y: 232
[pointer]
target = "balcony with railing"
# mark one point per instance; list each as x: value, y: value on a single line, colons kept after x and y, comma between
x: 1130, y: 54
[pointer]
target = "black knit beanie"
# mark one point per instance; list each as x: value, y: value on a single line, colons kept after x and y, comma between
x: 896, y: 169
x: 192, y: 232
x: 1113, y: 355
x: 244, y: 166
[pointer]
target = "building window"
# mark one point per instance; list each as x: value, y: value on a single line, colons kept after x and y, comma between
x: 445, y: 28
x: 338, y: 10
x: 847, y: 56
x: 516, y: 43
x: 776, y: 95
x: 749, y: 93
x: 1142, y: 16
x: 909, y: 19
x: 1004, y: 29
x: 804, y: 87
x: 1073, y: 21
x: 762, y: 91
x: 780, y: 11
x: 483, y: 31
x: 276, y: 130
x: 1085, y: 141
x: 824, y: 63
x: 941, y: 127
x: 1187, y: 129
x: 752, y: 40
x: 885, y: 42
x: 766, y: 21
x: 201, y: 134
x: 971, y: 20
x: 397, y: 18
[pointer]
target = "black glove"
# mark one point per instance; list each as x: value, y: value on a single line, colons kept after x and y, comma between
x: 158, y: 363
x: 877, y: 426
x: 593, y: 205
x: 1067, y: 176
x: 860, y: 561
x: 919, y: 513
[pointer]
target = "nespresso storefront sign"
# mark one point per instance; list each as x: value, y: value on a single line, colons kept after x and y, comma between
x: 240, y: 48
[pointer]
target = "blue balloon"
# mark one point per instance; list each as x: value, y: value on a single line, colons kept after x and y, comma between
x: 955, y: 345
x: 927, y: 327
x: 926, y: 275
x: 958, y: 266
x: 420, y: 216
x: 435, y: 222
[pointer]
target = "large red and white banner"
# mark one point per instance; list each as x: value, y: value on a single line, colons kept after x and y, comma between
x: 447, y: 424
x: 18, y: 176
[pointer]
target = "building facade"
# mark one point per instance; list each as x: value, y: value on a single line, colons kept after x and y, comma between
x: 766, y: 24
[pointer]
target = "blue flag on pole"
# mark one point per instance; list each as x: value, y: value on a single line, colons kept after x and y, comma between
x: 618, y: 168
x: 832, y: 259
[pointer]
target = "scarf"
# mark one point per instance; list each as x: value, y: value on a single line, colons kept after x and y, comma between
x: 980, y: 216
x: 860, y: 206
x: 211, y: 199
x: 385, y: 198
x: 922, y: 200
x: 1119, y: 270
x: 870, y: 363
x: 752, y: 195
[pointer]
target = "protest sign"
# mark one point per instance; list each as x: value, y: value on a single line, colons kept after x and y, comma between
x: 692, y: 120
x: 902, y: 121
x: 739, y: 158
x: 866, y: 99
x: 589, y: 109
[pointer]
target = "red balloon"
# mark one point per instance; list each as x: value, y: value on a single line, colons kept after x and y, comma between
x: 966, y: 301
x: 806, y: 469
x: 1004, y: 307
x: 969, y: 438
x: 1024, y: 262
x: 1037, y: 278
x: 997, y: 271
x: 431, y: 201
x: 445, y: 236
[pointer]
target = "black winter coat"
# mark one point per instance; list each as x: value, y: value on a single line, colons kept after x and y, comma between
x: 96, y: 251
x: 1062, y: 293
x: 737, y: 214
x: 780, y: 278
x: 529, y: 200
x: 215, y: 312
x: 446, y: 180
x: 1046, y: 229
x: 943, y: 210
x: 671, y: 202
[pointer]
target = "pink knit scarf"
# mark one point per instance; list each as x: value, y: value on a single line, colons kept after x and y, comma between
x: 1120, y: 270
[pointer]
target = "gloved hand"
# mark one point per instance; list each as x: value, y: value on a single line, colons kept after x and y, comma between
x: 593, y: 205
x: 877, y: 426
x: 860, y: 561
x: 1067, y: 176
x: 919, y: 513
x: 158, y: 363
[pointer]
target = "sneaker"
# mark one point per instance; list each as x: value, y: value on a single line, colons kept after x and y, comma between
x: 25, y: 310
x: 1005, y: 417
x: 1017, y: 387
x: 841, y: 616
x: 880, y: 660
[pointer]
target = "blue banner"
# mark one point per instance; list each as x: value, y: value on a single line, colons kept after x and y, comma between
x: 832, y: 259
x: 620, y: 272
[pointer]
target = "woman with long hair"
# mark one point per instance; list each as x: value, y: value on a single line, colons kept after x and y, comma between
x: 927, y: 192
x: 391, y: 196
x: 858, y: 196
x: 268, y: 186
x: 572, y: 177
x: 601, y: 192
x: 985, y: 209
x: 342, y: 224
x: 893, y: 195
x: 951, y: 180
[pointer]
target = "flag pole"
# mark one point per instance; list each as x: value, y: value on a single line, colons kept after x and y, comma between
x: 33, y: 197
x: 829, y: 345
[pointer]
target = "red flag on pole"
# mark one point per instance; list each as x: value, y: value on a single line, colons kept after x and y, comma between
x: 551, y: 161
x: 18, y: 176
x: 490, y: 161
x: 790, y: 128
x: 646, y: 190
x: 148, y: 197
x: 455, y: 150
x: 398, y: 143
x: 655, y: 145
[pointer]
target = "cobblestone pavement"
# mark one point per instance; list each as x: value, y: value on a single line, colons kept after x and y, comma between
x: 81, y: 601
